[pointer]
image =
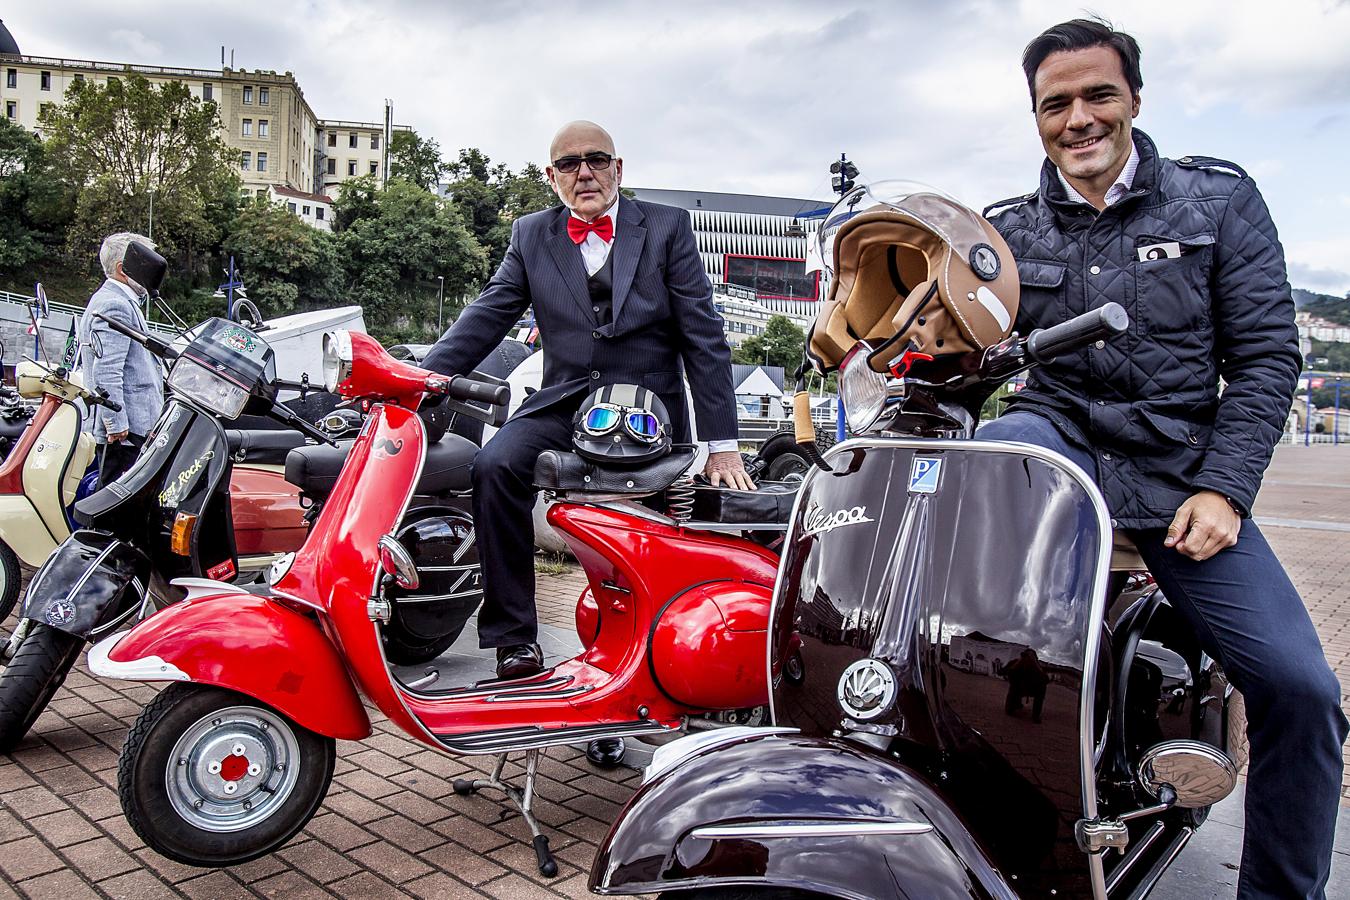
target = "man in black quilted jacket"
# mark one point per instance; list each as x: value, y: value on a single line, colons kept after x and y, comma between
x: 1188, y: 248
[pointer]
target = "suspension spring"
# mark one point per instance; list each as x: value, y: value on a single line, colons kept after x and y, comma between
x: 680, y: 499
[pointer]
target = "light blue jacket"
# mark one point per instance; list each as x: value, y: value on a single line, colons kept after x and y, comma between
x: 127, y: 371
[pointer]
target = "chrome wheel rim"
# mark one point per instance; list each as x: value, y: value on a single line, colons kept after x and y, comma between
x: 233, y: 769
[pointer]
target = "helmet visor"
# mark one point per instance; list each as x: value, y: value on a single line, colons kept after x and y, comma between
x: 936, y: 211
x: 604, y: 418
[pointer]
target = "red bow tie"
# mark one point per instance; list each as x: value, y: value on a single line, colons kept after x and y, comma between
x: 603, y: 228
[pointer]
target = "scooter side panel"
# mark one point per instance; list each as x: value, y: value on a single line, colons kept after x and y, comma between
x: 780, y: 786
x: 19, y: 529
x: 266, y: 511
x: 947, y: 597
x: 254, y: 646
x: 46, y: 467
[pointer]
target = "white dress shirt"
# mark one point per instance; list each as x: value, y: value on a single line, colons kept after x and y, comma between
x: 1124, y: 181
x: 594, y: 252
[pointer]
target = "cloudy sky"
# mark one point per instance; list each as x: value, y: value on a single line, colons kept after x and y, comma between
x: 760, y: 97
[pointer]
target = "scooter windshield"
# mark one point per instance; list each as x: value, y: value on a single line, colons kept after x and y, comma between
x: 933, y: 209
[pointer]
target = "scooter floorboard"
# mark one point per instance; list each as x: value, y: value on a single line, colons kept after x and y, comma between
x: 533, y: 737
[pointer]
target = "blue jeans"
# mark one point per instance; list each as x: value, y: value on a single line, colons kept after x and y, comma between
x: 1250, y: 618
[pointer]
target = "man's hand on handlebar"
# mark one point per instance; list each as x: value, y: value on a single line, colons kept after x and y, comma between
x: 728, y: 468
x: 1205, y: 524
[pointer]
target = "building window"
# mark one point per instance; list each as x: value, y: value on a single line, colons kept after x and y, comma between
x: 305, y: 210
x: 374, y: 168
x: 318, y: 213
x: 351, y: 140
x: 262, y: 128
x: 11, y: 109
x: 248, y: 93
x: 785, y: 279
x: 206, y: 91
x: 11, y: 78
x: 44, y: 109
x: 374, y: 142
x: 332, y: 138
x: 290, y: 207
x: 79, y: 79
x: 262, y: 162
x: 351, y: 167
x: 246, y: 128
x: 332, y: 166
x: 46, y: 81
x: 264, y: 96
x: 113, y: 79
x: 262, y: 193
x: 245, y: 161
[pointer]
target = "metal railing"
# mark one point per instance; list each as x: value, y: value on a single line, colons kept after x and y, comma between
x: 76, y: 311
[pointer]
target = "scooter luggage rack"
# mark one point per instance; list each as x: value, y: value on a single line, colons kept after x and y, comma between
x: 523, y: 798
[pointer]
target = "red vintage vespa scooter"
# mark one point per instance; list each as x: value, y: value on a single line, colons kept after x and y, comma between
x: 232, y: 762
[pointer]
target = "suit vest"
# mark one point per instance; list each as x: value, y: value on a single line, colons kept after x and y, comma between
x: 601, y: 287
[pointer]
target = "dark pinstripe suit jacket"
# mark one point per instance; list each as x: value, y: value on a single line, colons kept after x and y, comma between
x: 664, y: 322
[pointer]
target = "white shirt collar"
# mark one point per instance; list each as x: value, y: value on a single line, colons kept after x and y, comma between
x: 1124, y: 181
x: 128, y: 290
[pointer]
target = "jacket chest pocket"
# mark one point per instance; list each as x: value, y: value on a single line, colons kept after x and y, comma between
x: 1042, y: 301
x: 1173, y: 288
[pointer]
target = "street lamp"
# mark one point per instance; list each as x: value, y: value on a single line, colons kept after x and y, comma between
x: 440, y: 305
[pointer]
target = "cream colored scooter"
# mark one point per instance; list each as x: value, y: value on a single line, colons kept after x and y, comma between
x: 40, y: 477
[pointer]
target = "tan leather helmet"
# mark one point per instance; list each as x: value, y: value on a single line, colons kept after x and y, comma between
x: 911, y: 269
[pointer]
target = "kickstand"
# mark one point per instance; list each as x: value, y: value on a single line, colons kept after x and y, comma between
x: 523, y: 799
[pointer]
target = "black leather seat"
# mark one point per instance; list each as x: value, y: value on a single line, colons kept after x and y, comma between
x: 314, y: 469
x: 264, y: 447
x: 559, y: 470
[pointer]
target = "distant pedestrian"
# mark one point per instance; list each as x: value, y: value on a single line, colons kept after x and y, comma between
x: 112, y: 362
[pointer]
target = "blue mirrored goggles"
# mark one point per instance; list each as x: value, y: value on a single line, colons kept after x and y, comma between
x: 604, y: 418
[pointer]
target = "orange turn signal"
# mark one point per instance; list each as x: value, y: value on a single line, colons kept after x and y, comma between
x: 180, y: 539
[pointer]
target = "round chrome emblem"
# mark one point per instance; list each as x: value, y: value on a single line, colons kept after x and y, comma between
x: 62, y: 612
x: 866, y: 689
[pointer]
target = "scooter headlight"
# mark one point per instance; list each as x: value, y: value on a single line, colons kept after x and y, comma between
x: 862, y: 390
x: 210, y: 389
x: 337, y: 359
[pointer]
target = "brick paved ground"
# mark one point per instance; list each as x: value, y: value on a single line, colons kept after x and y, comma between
x: 391, y: 827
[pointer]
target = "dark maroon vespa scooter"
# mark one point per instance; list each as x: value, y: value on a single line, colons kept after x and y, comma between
x: 958, y: 714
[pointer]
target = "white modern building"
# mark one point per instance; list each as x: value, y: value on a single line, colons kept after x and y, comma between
x: 312, y: 209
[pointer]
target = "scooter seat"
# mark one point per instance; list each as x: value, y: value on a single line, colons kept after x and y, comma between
x: 562, y: 471
x: 314, y: 469
x: 263, y: 447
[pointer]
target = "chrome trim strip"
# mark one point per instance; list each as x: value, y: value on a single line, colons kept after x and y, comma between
x: 1096, y: 613
x: 760, y: 830
x: 147, y: 668
x: 456, y: 694
x: 538, y: 695
x: 1136, y: 850
x: 1162, y: 865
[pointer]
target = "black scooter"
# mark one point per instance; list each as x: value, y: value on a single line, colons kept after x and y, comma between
x: 959, y: 709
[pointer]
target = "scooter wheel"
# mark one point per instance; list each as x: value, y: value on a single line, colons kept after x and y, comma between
x: 9, y: 580
x: 210, y: 777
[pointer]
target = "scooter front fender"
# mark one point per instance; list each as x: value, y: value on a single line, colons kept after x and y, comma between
x: 236, y: 640
x: 90, y: 584
x: 774, y: 809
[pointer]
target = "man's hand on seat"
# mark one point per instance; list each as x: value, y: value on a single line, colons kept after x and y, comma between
x: 727, y: 468
x: 1203, y: 525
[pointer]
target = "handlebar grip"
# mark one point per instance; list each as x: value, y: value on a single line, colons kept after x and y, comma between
x: 1046, y: 344
x: 461, y: 387
x: 110, y: 404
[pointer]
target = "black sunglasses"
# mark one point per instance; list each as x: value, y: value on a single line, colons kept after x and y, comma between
x: 596, y: 162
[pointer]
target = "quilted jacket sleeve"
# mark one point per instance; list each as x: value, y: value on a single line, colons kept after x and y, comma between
x: 1257, y: 347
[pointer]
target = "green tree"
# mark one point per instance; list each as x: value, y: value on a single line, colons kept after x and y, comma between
x: 287, y: 266
x: 394, y: 244
x: 781, y: 344
x: 128, y: 147
x: 35, y: 206
x: 416, y: 159
x: 490, y: 198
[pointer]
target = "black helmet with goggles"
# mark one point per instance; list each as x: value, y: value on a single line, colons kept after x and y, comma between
x: 622, y: 423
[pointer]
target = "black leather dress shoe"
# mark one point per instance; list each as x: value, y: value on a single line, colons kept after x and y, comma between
x: 519, y: 661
